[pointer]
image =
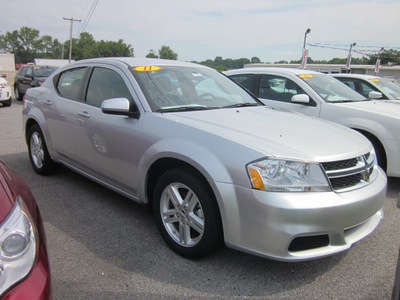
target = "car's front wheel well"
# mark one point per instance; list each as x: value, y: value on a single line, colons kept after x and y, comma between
x: 378, y: 146
x: 160, y: 167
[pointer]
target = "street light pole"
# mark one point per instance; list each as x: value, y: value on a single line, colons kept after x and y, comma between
x: 304, y: 54
x: 349, y: 58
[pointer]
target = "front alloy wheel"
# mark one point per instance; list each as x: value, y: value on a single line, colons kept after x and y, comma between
x: 182, y: 214
x: 187, y: 213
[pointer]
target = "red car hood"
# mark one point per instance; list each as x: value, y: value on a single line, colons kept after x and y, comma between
x: 8, y: 183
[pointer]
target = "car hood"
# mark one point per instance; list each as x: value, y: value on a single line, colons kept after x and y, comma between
x: 385, y: 108
x: 273, y: 132
x: 378, y: 110
x: 6, y: 192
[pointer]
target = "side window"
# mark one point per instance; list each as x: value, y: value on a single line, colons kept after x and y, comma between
x: 366, y: 88
x: 105, y: 84
x: 28, y: 72
x: 349, y: 83
x: 245, y: 80
x: 22, y: 71
x: 70, y: 83
x: 278, y: 88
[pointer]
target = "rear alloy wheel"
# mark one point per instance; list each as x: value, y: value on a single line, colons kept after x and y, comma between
x: 187, y: 214
x: 38, y: 153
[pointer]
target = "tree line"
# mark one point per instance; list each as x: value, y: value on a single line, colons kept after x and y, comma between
x: 26, y: 44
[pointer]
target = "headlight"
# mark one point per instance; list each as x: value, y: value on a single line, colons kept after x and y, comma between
x: 276, y: 175
x: 18, y: 246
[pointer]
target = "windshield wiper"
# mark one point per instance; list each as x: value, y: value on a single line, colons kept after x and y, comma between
x: 241, y: 105
x: 184, y: 108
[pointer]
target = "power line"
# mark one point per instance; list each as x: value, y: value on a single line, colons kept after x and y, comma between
x: 89, y: 15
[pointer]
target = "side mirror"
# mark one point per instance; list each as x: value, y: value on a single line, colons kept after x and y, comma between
x: 119, y: 106
x: 302, y: 98
x: 374, y: 95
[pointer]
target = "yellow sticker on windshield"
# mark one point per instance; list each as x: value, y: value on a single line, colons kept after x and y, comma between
x: 36, y: 68
x: 306, y: 75
x: 147, y: 68
x: 374, y: 79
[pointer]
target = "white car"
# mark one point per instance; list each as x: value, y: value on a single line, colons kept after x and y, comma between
x: 5, y: 92
x: 323, y: 96
x: 387, y: 88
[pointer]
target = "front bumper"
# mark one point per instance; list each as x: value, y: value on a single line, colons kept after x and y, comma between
x: 299, y: 226
x: 5, y: 94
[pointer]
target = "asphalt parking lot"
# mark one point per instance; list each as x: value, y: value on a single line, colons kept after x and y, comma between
x: 103, y: 246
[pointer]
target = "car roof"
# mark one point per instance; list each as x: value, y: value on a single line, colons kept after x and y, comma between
x: 272, y: 69
x: 360, y: 76
x: 132, y: 61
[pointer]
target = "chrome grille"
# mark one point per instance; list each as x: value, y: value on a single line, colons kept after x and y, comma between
x: 350, y: 174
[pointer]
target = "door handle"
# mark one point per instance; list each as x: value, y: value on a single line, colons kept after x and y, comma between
x: 84, y: 114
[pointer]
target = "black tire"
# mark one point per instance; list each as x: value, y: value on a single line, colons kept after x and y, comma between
x: 380, y: 155
x: 7, y: 103
x: 38, y: 153
x: 18, y: 95
x: 193, y: 229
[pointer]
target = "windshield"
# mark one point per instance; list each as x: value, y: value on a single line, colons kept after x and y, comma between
x: 43, y: 71
x: 391, y: 86
x: 178, y: 88
x: 331, y: 89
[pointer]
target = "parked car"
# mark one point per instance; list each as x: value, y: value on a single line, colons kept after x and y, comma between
x: 30, y: 76
x: 24, y: 264
x: 211, y: 161
x: 323, y: 96
x: 384, y: 88
x: 5, y: 91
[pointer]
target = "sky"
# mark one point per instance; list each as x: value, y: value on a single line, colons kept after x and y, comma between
x: 271, y: 30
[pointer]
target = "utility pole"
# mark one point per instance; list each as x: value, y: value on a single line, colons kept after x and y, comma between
x: 72, y: 20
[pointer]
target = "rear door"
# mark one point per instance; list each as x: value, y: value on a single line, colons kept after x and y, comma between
x: 64, y: 123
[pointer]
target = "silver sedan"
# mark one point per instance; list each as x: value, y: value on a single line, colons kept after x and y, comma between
x: 213, y: 163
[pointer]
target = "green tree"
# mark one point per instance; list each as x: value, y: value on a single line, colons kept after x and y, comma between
x: 152, y: 54
x: 218, y: 61
x: 239, y: 63
x: 113, y: 49
x: 166, y: 52
x: 221, y: 68
x: 84, y: 47
x: 255, y: 60
x: 21, y: 43
x: 47, y: 47
x: 389, y: 57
